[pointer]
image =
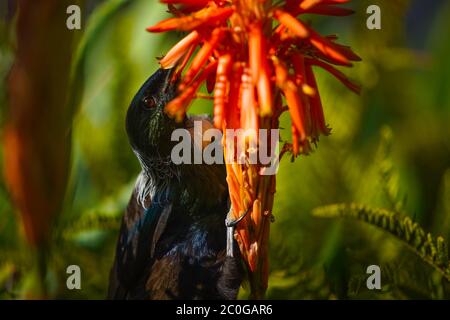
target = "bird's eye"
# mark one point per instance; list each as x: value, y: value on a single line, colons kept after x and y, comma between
x: 150, y: 102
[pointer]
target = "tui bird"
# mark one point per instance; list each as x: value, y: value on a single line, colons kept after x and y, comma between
x: 173, y: 239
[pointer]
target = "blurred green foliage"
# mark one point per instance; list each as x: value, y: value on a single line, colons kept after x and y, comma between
x: 389, y: 148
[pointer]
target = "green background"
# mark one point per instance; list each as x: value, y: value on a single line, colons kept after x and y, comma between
x: 389, y: 148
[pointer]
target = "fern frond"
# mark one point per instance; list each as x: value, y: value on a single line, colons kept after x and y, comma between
x: 91, y: 222
x: 432, y: 250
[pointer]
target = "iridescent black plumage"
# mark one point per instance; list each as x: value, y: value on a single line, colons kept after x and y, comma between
x: 172, y: 242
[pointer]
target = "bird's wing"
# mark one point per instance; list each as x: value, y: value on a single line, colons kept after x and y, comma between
x: 140, y: 231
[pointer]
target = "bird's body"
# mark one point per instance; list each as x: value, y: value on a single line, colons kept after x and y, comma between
x: 172, y: 242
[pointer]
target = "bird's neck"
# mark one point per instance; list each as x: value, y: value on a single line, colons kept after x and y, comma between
x: 196, y: 188
x: 156, y: 178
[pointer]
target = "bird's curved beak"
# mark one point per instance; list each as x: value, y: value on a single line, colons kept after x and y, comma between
x: 171, y: 77
x: 168, y: 80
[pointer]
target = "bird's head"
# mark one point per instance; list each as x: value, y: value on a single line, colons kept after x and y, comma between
x: 148, y: 126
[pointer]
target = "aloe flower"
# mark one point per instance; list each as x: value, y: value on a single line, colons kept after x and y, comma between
x: 254, y: 55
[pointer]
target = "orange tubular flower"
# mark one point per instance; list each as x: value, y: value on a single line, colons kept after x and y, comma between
x: 252, y: 53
